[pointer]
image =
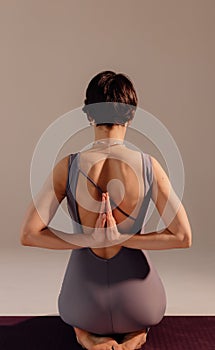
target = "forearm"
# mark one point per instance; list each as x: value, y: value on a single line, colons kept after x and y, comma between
x: 50, y: 240
x: 150, y: 241
x: 157, y: 241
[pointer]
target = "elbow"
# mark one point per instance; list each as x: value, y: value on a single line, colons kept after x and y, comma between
x: 25, y: 239
x: 185, y: 240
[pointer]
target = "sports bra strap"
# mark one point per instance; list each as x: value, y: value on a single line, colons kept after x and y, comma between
x: 111, y: 200
x: 147, y: 175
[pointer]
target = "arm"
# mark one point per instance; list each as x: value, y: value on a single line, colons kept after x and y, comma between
x: 34, y: 229
x: 177, y: 234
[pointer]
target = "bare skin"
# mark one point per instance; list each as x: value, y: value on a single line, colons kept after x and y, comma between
x: 134, y: 340
x: 131, y: 341
x: 91, y: 342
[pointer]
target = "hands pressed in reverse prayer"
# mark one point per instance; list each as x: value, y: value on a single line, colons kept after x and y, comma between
x: 105, y: 233
x: 106, y: 228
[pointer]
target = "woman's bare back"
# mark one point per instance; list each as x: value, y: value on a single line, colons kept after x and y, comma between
x: 115, y: 169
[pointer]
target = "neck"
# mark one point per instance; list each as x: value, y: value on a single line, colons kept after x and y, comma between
x: 116, y: 132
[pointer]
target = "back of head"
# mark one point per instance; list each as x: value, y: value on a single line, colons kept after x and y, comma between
x: 110, y: 99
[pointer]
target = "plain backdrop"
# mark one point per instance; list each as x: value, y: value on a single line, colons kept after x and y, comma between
x: 49, y: 52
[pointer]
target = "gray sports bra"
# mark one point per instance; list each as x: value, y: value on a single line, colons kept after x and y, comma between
x: 73, y: 173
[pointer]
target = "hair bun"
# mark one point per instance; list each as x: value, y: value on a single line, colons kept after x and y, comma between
x: 110, y: 98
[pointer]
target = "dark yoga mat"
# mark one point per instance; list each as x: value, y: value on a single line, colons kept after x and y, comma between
x: 50, y: 332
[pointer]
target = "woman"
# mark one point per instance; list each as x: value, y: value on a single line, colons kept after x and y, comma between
x: 110, y: 288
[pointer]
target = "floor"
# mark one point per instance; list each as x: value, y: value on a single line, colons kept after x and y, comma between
x: 50, y: 332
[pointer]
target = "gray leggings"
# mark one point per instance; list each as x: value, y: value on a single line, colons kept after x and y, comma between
x: 106, y: 296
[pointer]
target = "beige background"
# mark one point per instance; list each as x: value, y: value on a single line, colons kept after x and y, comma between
x: 49, y: 52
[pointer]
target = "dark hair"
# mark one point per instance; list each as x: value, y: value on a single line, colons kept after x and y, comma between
x: 117, y: 89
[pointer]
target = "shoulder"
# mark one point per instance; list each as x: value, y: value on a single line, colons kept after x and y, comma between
x: 61, y: 166
x: 60, y: 175
x: 162, y: 187
x: 158, y: 171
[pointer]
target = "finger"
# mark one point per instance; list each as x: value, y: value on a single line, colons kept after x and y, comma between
x: 110, y: 218
x: 100, y: 222
x: 103, y: 220
x: 101, y: 211
x: 108, y: 206
x: 102, y: 207
x: 110, y: 221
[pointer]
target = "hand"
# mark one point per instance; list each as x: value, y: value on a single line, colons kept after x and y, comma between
x: 112, y: 233
x: 99, y: 232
